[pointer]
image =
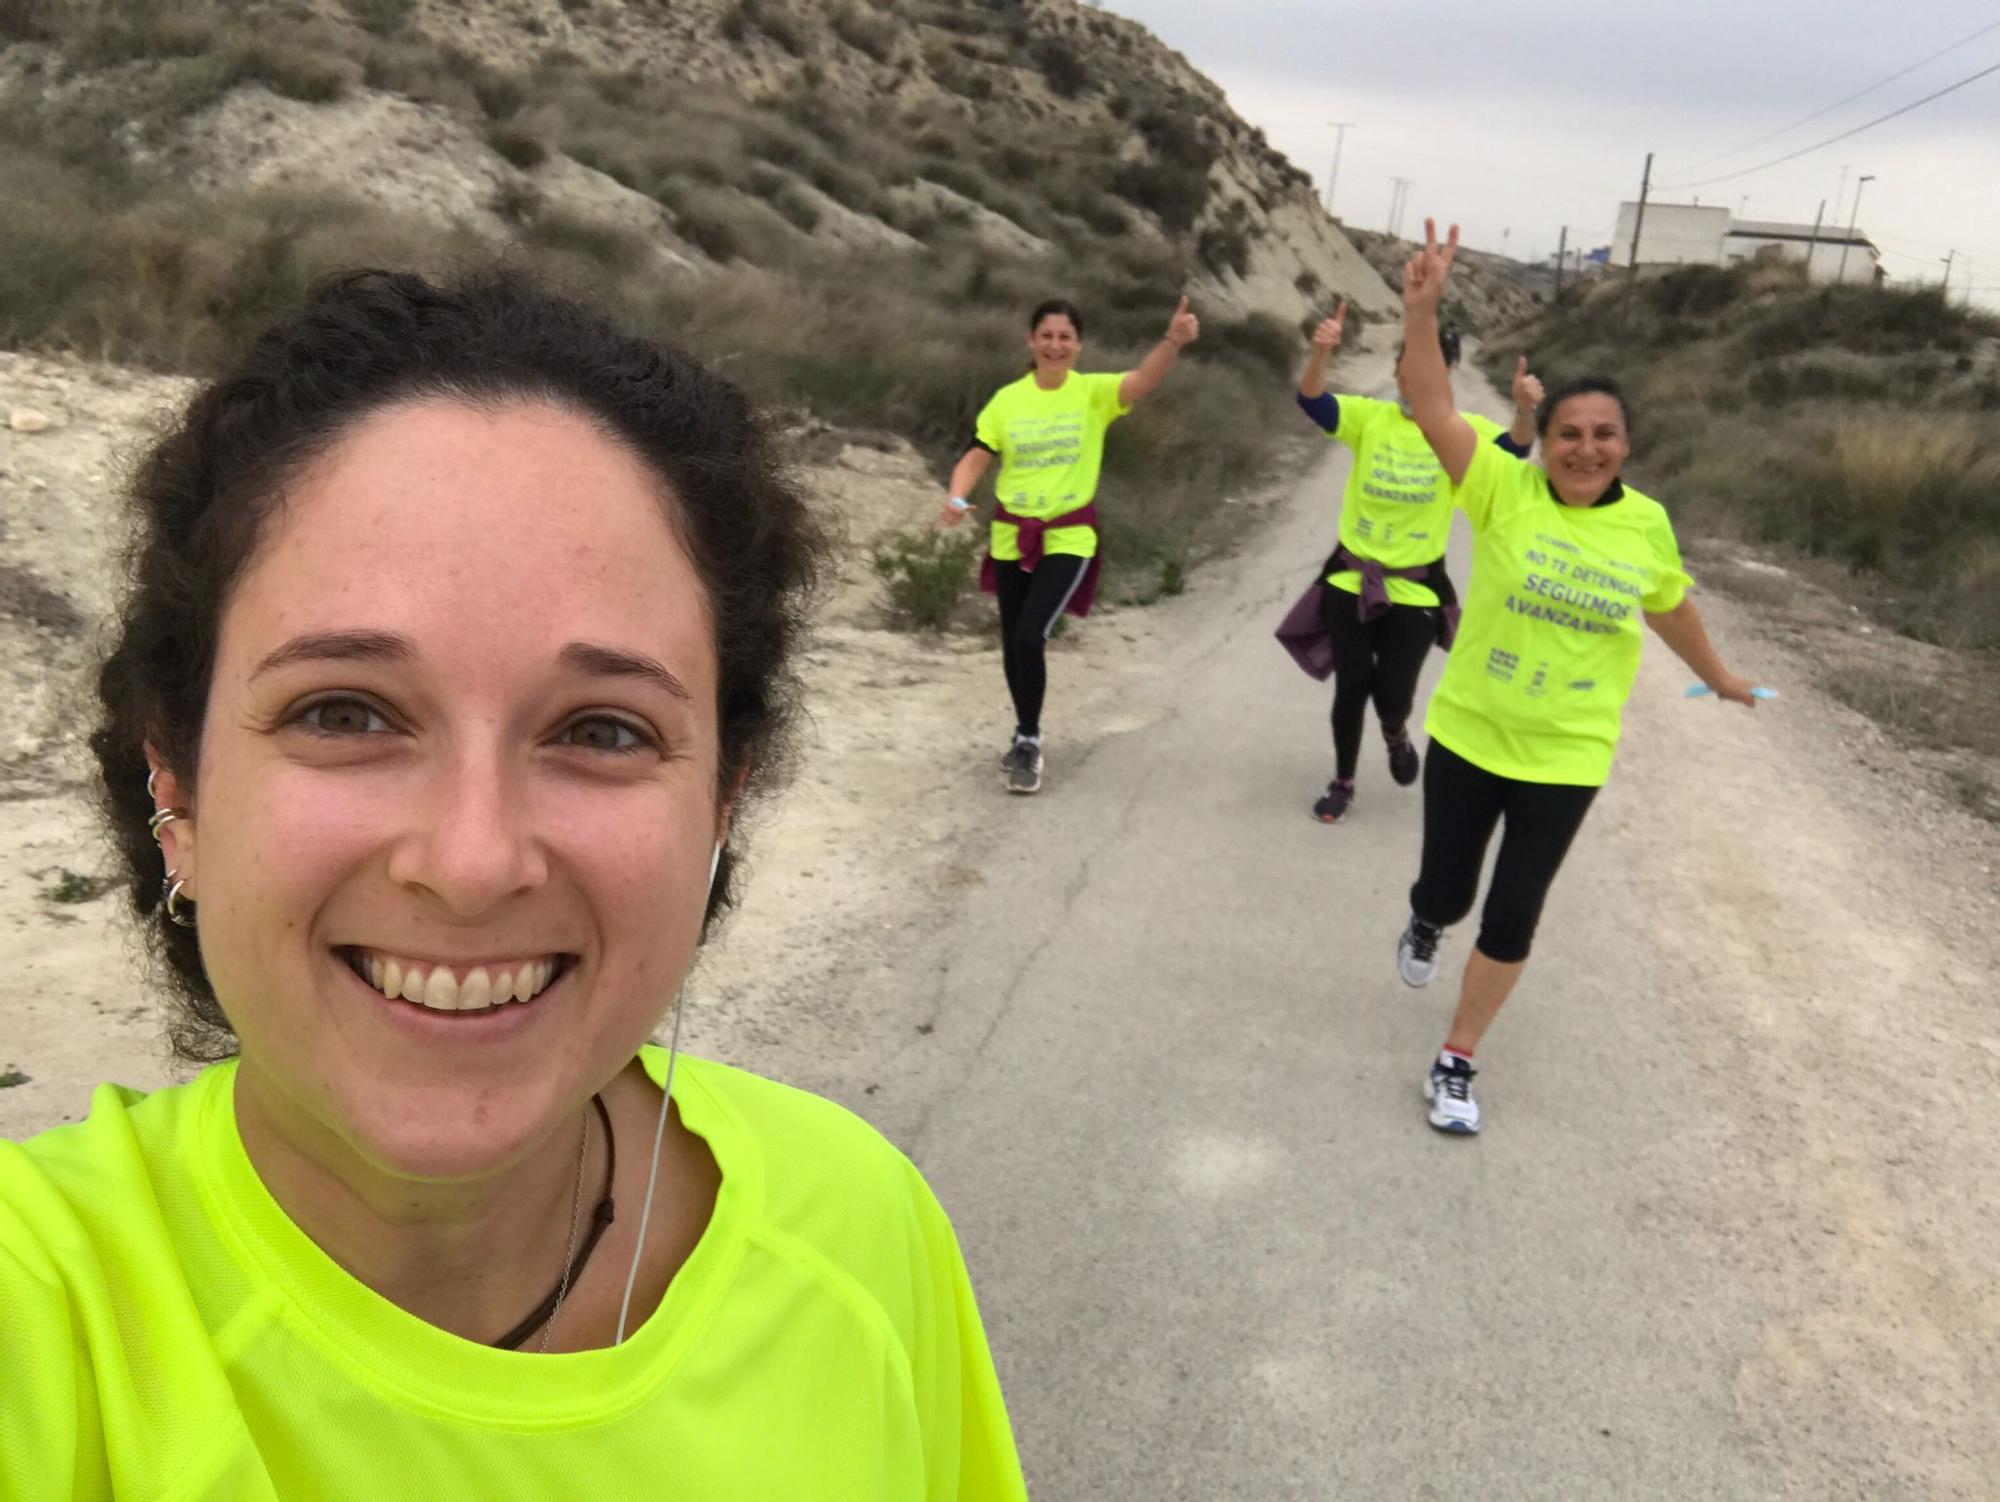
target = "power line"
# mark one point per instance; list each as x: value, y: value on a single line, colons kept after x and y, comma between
x: 1838, y: 103
x: 1818, y: 145
x: 1938, y: 244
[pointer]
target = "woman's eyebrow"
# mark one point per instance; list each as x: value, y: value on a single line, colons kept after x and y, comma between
x: 385, y: 646
x: 340, y: 646
x: 613, y: 662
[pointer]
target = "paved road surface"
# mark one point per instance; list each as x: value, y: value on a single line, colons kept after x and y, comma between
x: 1221, y: 1253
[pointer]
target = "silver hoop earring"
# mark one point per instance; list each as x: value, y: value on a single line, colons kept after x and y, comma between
x: 162, y: 818
x: 152, y: 777
x: 178, y: 909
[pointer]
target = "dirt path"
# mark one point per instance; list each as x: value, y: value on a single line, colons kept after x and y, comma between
x: 1730, y: 1232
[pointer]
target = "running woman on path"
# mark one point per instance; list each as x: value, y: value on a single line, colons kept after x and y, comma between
x: 1567, y: 562
x: 1048, y: 430
x: 1388, y: 599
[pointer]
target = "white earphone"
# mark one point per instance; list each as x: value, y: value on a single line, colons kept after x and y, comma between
x: 660, y: 1127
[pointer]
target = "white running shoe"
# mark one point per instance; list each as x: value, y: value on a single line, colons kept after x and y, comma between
x: 1417, y: 952
x: 1448, y: 1087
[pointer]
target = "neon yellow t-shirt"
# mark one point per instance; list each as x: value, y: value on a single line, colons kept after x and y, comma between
x: 166, y: 1332
x: 1396, y: 508
x: 1051, y: 447
x: 1549, y: 641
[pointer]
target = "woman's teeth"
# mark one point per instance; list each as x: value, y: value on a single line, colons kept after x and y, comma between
x: 440, y: 989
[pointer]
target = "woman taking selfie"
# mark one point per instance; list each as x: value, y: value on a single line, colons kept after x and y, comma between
x: 457, y: 636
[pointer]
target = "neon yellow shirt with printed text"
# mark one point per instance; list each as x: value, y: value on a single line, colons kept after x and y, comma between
x: 1051, y: 448
x: 1396, y: 507
x: 1548, y: 644
x: 168, y: 1333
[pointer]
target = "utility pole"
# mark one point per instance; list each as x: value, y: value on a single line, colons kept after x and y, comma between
x: 1947, y: 273
x: 1340, y: 128
x: 1562, y: 249
x: 1812, y: 245
x: 1863, y: 181
x: 1398, y: 196
x: 1639, y: 219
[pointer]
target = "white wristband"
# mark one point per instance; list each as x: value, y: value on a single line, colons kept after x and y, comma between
x: 959, y: 503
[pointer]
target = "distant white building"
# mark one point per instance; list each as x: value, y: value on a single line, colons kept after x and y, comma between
x: 1754, y: 239
x: 1673, y: 234
x: 1694, y: 234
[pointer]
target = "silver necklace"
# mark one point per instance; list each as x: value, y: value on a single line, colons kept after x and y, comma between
x: 569, y: 1248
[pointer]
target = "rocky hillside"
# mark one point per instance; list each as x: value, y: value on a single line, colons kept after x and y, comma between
x: 1484, y: 295
x: 714, y: 131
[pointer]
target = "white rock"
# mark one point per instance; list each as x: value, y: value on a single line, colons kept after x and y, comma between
x: 28, y: 420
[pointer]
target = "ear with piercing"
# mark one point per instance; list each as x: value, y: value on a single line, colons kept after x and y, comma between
x: 174, y: 905
x: 162, y: 817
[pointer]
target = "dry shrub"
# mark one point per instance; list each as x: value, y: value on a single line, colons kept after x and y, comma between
x: 1910, y: 481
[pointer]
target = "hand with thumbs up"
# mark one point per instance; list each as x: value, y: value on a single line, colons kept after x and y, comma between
x: 1183, y: 328
x: 1327, y: 335
x: 1527, y: 389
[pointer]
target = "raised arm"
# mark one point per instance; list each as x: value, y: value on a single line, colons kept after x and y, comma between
x: 1682, y: 630
x: 1182, y: 330
x: 965, y: 475
x: 1527, y: 403
x: 1325, y: 340
x: 1426, y: 382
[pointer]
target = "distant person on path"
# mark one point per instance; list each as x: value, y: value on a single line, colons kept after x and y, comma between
x: 1048, y: 430
x: 459, y: 628
x: 1386, y: 599
x: 1568, y: 561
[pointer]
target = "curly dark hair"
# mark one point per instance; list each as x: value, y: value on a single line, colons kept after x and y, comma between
x: 366, y: 340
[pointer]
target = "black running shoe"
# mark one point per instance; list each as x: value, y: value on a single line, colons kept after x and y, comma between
x: 1404, y: 761
x: 1334, y: 802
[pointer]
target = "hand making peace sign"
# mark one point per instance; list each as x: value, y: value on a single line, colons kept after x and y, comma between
x: 1425, y: 272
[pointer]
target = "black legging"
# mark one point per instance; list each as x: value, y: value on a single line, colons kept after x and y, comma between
x: 1378, y: 660
x: 1462, y: 803
x: 1030, y: 606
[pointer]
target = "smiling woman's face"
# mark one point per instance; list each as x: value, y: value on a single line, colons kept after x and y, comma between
x: 461, y: 744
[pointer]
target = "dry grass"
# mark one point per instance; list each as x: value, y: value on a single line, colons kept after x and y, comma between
x: 121, y: 262
x: 1850, y: 423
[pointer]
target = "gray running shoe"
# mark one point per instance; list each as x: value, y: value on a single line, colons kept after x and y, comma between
x: 1024, y: 768
x: 1417, y: 952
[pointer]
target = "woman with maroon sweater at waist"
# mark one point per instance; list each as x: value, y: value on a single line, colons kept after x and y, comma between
x: 1048, y: 430
x: 1386, y: 599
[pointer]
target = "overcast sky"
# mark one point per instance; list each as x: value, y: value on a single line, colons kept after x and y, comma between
x: 1517, y: 118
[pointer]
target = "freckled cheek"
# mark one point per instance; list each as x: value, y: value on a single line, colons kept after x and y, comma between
x: 645, y: 881
x: 285, y: 850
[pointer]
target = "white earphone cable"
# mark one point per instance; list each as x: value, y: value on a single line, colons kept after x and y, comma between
x: 660, y: 1127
